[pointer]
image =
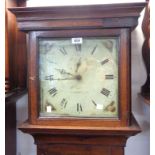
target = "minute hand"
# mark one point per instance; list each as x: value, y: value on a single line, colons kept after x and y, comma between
x: 73, y: 78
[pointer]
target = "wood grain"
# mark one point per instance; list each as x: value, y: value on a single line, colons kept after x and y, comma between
x: 15, y: 53
x: 124, y: 78
x: 69, y: 17
x: 79, y: 140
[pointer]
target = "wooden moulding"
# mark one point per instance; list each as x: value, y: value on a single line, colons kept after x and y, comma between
x: 83, y: 141
x: 69, y: 17
x: 35, y: 130
x: 124, y: 98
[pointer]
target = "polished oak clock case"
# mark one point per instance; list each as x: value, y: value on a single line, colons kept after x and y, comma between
x: 79, y: 77
x: 79, y: 64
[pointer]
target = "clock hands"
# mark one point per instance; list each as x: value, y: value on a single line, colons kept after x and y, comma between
x: 76, y: 77
x: 73, y: 78
x: 62, y: 71
x: 78, y: 65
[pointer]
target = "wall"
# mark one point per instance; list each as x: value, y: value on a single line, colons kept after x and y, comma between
x: 139, y: 144
x: 136, y: 145
x: 25, y: 143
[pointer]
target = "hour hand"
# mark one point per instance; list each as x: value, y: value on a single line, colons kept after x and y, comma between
x: 62, y: 71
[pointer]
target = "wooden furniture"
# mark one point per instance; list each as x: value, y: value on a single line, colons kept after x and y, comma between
x: 15, y: 73
x: 145, y: 90
x: 15, y: 53
x: 77, y: 135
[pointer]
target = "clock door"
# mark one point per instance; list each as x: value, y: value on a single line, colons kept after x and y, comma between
x: 80, y: 75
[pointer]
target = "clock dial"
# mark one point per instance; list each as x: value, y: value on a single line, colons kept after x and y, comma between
x: 78, y: 79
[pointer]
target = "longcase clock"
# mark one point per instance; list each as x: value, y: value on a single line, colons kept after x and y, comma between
x: 79, y: 77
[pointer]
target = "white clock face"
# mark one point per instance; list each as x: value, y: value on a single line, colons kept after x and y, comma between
x: 78, y: 77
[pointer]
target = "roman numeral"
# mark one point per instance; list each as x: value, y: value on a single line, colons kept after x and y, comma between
x: 94, y: 103
x: 46, y: 47
x: 63, y: 51
x: 63, y: 103
x: 50, y: 77
x: 79, y: 107
x: 78, y: 47
x: 109, y: 77
x: 104, y: 61
x: 53, y: 91
x: 105, y: 92
x: 94, y: 50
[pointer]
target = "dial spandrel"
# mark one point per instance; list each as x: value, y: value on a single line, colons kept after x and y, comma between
x: 78, y: 80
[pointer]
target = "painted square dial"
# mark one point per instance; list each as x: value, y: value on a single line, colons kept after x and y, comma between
x: 78, y: 77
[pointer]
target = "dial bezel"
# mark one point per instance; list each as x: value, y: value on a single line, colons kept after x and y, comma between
x: 123, y: 79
